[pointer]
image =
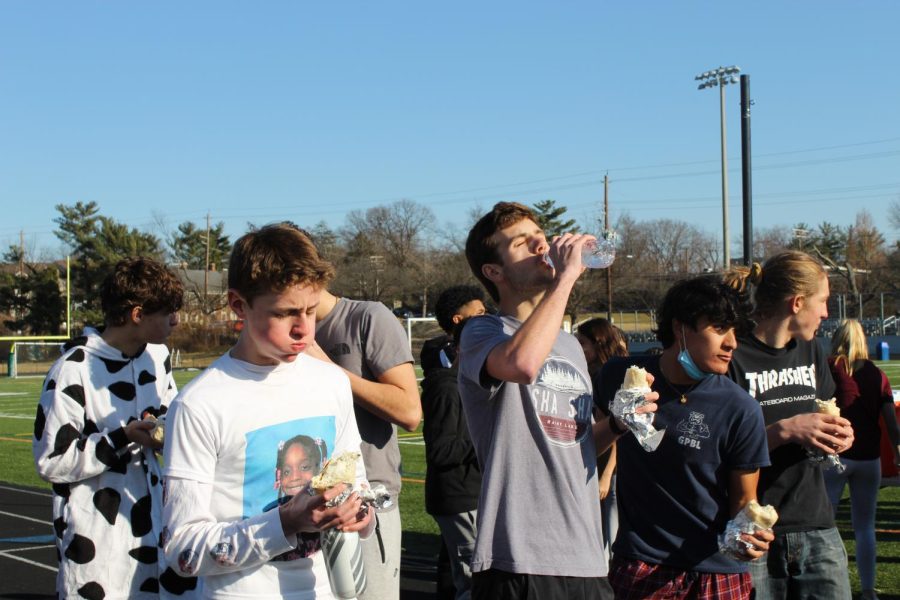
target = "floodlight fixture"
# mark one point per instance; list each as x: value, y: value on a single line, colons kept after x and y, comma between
x: 720, y: 78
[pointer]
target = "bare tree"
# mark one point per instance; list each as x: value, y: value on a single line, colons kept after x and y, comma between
x: 399, y: 230
x: 894, y: 214
x: 770, y: 241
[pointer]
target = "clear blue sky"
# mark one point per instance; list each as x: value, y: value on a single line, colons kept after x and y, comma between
x: 256, y: 112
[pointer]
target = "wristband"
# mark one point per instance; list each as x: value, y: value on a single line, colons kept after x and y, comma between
x: 614, y: 426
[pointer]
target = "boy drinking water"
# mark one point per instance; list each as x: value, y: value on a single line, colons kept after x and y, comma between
x: 230, y: 422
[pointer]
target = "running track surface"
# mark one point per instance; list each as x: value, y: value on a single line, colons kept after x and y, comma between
x: 28, y: 556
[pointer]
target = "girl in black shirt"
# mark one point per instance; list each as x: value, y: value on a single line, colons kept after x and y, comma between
x: 781, y: 365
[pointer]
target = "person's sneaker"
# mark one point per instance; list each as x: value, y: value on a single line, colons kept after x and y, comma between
x: 868, y: 595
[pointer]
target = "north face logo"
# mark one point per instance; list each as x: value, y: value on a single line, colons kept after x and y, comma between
x: 338, y: 350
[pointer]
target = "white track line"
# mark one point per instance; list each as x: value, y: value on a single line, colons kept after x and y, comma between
x: 10, y: 416
x: 23, y: 517
x: 12, y: 489
x: 30, y: 548
x: 29, y: 562
x: 13, y: 393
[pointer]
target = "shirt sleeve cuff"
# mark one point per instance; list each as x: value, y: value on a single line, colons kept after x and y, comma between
x: 118, y: 438
x: 270, y: 535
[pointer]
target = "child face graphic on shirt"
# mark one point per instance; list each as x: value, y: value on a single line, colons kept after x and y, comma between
x: 296, y: 471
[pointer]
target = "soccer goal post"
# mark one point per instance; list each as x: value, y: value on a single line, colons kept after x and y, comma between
x: 32, y: 357
x: 418, y: 330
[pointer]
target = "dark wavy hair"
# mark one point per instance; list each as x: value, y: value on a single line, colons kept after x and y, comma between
x: 690, y: 300
x: 139, y: 281
x: 451, y: 300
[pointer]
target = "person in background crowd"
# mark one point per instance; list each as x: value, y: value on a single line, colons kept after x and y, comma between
x: 782, y: 366
x: 677, y: 499
x: 91, y: 443
x: 863, y: 395
x: 453, y: 477
x: 601, y: 340
x: 526, y: 393
x: 368, y: 343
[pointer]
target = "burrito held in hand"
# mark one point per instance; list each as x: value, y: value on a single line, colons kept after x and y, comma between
x: 342, y: 469
x: 751, y: 519
x: 827, y: 407
x: 627, y: 400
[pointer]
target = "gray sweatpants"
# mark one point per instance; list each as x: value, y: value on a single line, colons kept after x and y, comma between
x: 383, y: 577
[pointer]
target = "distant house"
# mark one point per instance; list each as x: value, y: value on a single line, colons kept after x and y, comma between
x: 205, y: 295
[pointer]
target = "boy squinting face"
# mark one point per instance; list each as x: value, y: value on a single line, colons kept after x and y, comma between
x: 277, y: 326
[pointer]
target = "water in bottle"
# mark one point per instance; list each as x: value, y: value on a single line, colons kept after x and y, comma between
x: 596, y: 254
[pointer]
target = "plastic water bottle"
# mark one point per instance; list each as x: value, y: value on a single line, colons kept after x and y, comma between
x: 598, y: 254
x: 344, y: 562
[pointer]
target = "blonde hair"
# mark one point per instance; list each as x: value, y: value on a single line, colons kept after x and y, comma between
x: 848, y: 344
x: 787, y: 274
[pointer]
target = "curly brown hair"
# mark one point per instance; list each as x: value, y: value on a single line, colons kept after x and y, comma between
x: 139, y: 281
x: 273, y: 258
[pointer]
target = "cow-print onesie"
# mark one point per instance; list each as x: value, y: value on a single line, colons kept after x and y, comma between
x: 107, y: 493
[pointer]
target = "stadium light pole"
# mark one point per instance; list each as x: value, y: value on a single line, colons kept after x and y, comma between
x: 720, y: 78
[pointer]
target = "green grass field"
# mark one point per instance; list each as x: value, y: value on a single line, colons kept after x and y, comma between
x: 18, y: 398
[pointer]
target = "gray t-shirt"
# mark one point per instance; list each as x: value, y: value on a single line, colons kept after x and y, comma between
x: 366, y: 339
x: 539, y: 510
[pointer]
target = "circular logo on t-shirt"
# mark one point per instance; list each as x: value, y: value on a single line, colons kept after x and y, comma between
x: 562, y: 401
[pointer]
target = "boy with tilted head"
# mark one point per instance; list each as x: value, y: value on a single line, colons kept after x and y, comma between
x: 228, y: 517
x: 526, y: 392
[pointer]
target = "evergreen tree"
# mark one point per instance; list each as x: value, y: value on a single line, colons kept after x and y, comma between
x: 550, y: 216
x: 31, y: 297
x: 188, y: 246
x: 96, y: 243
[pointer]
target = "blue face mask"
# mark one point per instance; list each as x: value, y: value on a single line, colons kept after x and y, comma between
x: 687, y: 363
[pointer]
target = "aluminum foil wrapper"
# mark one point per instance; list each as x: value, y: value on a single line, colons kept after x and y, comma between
x: 827, y: 461
x: 730, y: 542
x: 623, y: 407
x: 375, y: 496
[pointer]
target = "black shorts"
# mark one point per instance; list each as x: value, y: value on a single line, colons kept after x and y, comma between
x: 500, y: 585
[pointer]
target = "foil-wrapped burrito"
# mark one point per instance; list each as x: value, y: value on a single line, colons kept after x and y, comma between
x: 342, y: 469
x: 751, y: 519
x: 830, y: 461
x: 158, y: 433
x: 627, y: 400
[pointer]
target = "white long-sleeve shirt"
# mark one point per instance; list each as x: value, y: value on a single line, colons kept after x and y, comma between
x: 231, y: 437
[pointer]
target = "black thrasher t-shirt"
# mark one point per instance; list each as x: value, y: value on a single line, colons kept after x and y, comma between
x: 786, y: 382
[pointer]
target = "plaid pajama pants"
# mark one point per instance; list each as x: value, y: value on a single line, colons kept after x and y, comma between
x: 633, y: 579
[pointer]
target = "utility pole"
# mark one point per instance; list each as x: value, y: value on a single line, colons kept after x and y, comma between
x: 206, y: 263
x: 746, y: 175
x: 609, y: 306
x: 21, y: 251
